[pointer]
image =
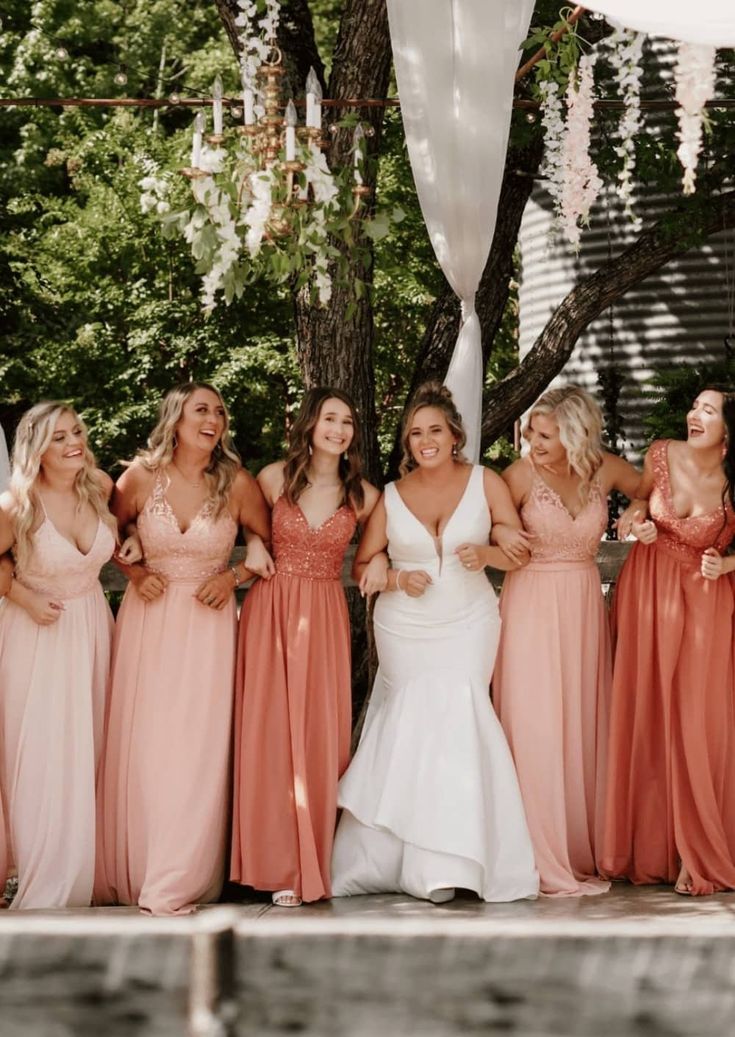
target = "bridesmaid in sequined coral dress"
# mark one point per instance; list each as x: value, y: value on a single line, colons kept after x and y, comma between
x: 670, y: 813
x: 293, y: 708
x: 163, y: 787
x: 551, y: 684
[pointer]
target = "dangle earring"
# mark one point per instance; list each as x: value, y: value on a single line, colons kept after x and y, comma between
x: 454, y: 450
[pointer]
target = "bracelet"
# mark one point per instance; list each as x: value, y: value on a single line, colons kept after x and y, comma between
x: 233, y: 570
x: 399, y: 573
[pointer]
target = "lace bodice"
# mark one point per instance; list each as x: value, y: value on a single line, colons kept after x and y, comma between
x: 559, y: 536
x: 313, y: 553
x: 58, y: 568
x: 687, y: 537
x: 203, y: 550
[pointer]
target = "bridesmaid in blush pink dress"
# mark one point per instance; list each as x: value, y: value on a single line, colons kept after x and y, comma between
x: 552, y: 677
x: 55, y: 630
x: 294, y: 705
x: 163, y: 788
x: 670, y: 813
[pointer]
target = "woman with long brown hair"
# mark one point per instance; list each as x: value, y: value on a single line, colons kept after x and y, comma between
x: 431, y: 800
x: 162, y: 795
x: 55, y: 631
x: 293, y: 706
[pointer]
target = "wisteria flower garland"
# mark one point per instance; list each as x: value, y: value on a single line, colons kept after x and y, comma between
x: 552, y: 119
x: 625, y: 50
x: 695, y: 85
x: 256, y: 40
x: 581, y: 183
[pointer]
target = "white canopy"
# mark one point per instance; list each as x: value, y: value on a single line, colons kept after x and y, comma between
x: 712, y: 23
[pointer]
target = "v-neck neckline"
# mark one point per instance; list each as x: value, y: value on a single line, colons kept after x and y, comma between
x: 315, y: 529
x: 670, y: 493
x: 72, y: 545
x: 558, y: 496
x: 440, y: 536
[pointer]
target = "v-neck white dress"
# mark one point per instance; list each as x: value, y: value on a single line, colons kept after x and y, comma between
x: 52, y: 696
x: 431, y: 798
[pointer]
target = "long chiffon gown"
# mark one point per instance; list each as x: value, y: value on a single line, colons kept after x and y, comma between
x: 52, y: 700
x: 293, y: 708
x: 551, y: 685
x: 431, y: 798
x: 671, y: 775
x: 163, y: 788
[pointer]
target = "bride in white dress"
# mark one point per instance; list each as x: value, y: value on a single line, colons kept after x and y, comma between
x: 431, y: 800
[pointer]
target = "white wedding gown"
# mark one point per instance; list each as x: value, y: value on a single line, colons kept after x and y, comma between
x: 431, y: 799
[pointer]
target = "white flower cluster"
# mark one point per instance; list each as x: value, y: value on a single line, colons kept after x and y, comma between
x: 581, y: 183
x: 695, y: 85
x: 625, y: 50
x: 552, y: 119
x: 155, y: 186
x: 319, y: 176
x: 256, y: 40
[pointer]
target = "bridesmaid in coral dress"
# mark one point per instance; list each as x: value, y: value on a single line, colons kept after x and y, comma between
x: 671, y: 777
x: 163, y: 788
x: 55, y: 631
x: 294, y: 708
x: 552, y: 699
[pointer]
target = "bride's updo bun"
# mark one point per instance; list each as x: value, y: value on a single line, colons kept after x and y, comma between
x: 432, y: 394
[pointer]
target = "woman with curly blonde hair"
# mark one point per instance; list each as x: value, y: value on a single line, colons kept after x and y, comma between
x: 552, y: 701
x: 163, y: 783
x: 293, y: 715
x: 55, y: 630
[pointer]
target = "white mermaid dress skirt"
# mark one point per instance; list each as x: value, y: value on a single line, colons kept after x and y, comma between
x: 431, y: 799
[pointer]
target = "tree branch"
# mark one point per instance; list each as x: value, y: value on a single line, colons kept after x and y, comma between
x: 677, y: 232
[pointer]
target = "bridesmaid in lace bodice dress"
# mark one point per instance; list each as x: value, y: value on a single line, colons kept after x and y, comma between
x: 431, y: 800
x: 552, y: 701
x: 671, y: 777
x: 162, y: 794
x: 294, y: 707
x: 55, y: 631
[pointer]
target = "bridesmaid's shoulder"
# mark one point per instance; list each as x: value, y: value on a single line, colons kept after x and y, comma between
x: 136, y: 477
x: 106, y: 484
x: 372, y: 496
x: 519, y: 474
x: 270, y: 480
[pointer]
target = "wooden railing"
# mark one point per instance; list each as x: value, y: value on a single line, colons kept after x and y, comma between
x: 610, y: 558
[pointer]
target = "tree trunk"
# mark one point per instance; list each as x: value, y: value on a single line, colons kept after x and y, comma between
x: 678, y: 231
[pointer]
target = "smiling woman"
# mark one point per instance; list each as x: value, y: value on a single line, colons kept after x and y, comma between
x: 55, y: 631
x: 671, y: 774
x: 163, y: 781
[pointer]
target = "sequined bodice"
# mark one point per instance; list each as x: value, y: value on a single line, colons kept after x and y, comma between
x: 203, y: 550
x: 686, y: 537
x: 58, y: 568
x: 558, y: 535
x: 314, y: 553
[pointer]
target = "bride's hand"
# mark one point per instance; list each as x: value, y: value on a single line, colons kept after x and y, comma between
x: 415, y: 582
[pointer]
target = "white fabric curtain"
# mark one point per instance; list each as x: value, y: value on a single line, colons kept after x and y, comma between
x: 455, y: 62
x: 4, y: 463
x: 712, y: 23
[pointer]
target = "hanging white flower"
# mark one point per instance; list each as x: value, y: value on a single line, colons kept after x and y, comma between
x: 257, y: 216
x: 581, y: 182
x: 626, y: 48
x: 695, y: 85
x: 552, y: 119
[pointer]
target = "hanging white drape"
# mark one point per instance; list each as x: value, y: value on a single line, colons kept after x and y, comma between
x: 4, y: 463
x: 711, y: 23
x: 455, y: 62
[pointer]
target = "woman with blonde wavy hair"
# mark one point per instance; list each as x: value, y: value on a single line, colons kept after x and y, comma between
x: 55, y: 630
x: 553, y: 700
x: 162, y: 793
x: 293, y: 713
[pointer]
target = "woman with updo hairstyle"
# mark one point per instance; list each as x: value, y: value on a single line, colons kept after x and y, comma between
x: 294, y: 706
x: 670, y: 811
x: 431, y: 800
x: 552, y: 698
x: 163, y: 788
x: 55, y: 631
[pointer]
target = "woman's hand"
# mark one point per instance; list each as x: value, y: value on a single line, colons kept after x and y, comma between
x: 131, y: 550
x: 375, y: 575
x: 148, y: 585
x: 635, y: 513
x: 216, y: 591
x: 412, y: 582
x: 257, y: 559
x: 42, y: 609
x: 645, y: 531
x: 713, y: 564
x: 514, y: 543
x: 472, y: 556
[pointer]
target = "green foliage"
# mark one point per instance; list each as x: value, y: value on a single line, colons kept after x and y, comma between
x: 671, y: 391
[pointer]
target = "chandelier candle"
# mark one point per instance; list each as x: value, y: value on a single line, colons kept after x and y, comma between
x: 217, y: 106
x: 196, y: 140
x: 290, y: 132
x: 358, y: 139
